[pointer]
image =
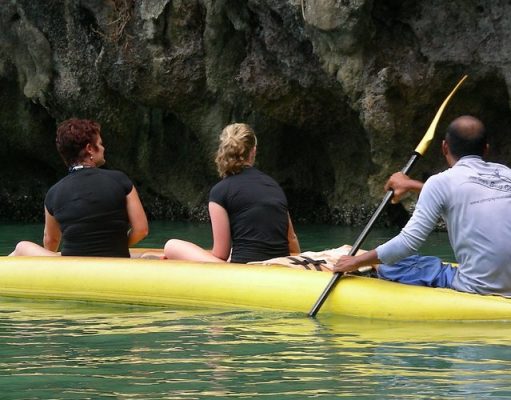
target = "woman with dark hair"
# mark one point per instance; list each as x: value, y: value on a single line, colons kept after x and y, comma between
x: 247, y: 208
x: 91, y: 211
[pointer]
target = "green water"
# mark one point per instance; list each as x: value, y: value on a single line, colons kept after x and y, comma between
x: 72, y: 350
x: 312, y: 237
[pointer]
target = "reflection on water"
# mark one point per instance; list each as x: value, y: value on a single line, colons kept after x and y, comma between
x: 76, y: 350
x: 69, y: 350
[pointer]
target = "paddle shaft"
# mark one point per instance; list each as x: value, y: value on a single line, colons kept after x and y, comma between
x: 361, y: 238
x: 419, y: 151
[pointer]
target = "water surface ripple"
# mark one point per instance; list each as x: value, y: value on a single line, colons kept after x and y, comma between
x: 64, y: 350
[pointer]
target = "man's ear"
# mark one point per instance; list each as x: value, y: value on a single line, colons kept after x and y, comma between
x: 445, y: 148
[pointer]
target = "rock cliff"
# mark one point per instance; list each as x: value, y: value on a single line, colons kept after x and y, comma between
x: 338, y: 91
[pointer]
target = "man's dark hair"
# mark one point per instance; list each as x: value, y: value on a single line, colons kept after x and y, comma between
x: 466, y: 136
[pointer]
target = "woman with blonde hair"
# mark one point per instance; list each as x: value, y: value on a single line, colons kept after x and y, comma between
x: 247, y: 208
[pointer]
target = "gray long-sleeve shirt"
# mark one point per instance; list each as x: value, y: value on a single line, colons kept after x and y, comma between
x: 474, y: 199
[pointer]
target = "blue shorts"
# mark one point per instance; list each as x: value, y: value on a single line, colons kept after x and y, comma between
x: 420, y: 271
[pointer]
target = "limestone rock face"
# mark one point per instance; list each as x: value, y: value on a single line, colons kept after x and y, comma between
x: 339, y: 92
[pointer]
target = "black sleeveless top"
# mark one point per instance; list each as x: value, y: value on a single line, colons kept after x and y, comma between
x: 90, y: 206
x: 258, y: 215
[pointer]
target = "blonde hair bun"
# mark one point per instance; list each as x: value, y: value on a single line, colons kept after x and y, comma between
x: 236, y: 142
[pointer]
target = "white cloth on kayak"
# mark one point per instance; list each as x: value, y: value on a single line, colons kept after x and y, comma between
x: 474, y: 199
x: 313, y: 260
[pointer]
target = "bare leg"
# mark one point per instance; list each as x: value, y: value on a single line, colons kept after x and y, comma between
x: 146, y: 253
x: 31, y: 249
x: 151, y: 254
x: 176, y: 249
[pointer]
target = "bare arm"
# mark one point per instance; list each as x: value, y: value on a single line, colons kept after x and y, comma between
x: 351, y: 263
x: 137, y: 217
x: 402, y: 184
x: 292, y: 239
x: 52, y: 232
x: 221, y: 231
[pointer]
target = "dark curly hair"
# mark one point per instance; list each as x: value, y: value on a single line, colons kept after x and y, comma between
x: 73, y: 135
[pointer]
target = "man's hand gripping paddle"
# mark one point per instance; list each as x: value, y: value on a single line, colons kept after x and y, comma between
x: 419, y: 152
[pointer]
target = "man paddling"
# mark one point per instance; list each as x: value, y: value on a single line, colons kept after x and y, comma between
x: 474, y: 199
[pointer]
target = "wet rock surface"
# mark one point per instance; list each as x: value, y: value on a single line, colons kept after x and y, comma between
x: 339, y: 93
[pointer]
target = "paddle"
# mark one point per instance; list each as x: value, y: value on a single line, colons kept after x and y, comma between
x: 419, y: 151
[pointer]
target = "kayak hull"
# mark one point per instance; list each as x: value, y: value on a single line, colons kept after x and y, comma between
x: 167, y: 283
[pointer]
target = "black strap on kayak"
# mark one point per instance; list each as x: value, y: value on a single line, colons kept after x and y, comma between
x: 306, y: 261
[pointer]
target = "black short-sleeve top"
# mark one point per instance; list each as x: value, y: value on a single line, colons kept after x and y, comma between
x: 90, y: 206
x: 258, y: 215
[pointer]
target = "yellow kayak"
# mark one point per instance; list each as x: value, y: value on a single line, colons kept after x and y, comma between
x: 167, y: 283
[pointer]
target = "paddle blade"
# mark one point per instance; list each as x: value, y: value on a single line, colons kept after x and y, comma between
x: 430, y: 133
